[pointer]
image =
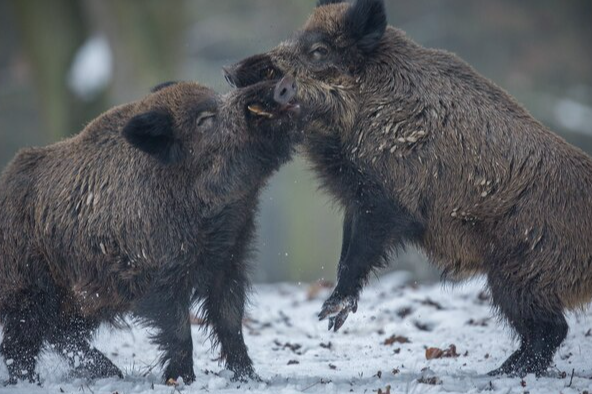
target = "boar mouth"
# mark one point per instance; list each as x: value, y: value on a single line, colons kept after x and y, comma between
x: 257, y: 109
x: 283, y: 101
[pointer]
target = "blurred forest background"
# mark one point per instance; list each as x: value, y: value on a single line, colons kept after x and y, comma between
x: 63, y: 62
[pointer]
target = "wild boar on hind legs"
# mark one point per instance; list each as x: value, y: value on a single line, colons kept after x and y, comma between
x: 419, y: 148
x: 149, y: 210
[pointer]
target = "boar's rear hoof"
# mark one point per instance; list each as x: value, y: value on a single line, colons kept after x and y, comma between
x: 522, y: 363
x: 14, y: 380
x: 96, y: 365
x: 246, y: 375
x: 174, y: 372
x: 509, y: 366
x: 243, y: 370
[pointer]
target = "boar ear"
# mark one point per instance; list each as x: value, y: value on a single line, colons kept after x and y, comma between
x: 163, y: 85
x: 153, y: 132
x: 325, y: 2
x: 366, y: 22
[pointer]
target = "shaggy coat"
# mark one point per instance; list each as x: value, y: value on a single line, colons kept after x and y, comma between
x: 148, y: 210
x: 420, y: 148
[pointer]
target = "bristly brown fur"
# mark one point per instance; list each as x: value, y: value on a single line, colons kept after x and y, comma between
x: 420, y: 148
x: 148, y: 210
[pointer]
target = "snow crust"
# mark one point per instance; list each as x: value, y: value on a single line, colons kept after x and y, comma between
x: 294, y: 353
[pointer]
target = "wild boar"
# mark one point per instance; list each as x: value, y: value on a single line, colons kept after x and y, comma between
x: 421, y: 149
x: 149, y: 210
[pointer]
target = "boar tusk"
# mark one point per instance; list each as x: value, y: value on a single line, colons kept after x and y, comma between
x: 257, y: 110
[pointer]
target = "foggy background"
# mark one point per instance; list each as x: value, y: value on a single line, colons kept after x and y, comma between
x: 63, y: 62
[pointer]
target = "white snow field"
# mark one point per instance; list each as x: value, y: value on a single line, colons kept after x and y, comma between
x: 381, y: 349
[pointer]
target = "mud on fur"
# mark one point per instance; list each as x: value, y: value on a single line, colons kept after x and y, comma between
x: 149, y: 210
x: 419, y: 148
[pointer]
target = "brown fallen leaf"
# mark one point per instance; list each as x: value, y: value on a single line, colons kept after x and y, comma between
x: 172, y: 382
x: 433, y: 380
x: 292, y: 346
x: 479, y: 322
x: 396, y: 338
x: 387, y: 390
x: 404, y: 312
x: 423, y: 326
x: 317, y: 287
x: 434, y: 352
x: 327, y: 345
x: 429, y: 302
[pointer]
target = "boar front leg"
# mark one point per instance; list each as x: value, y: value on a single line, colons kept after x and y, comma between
x: 69, y: 336
x: 369, y: 232
x: 25, y: 325
x: 348, y: 219
x: 167, y: 308
x: 225, y: 308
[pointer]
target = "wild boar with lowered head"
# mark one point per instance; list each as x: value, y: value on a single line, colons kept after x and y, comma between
x: 149, y: 210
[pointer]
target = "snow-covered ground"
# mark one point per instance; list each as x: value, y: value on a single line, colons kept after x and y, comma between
x: 383, y: 345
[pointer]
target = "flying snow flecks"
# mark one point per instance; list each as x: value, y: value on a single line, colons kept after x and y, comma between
x: 405, y: 338
x: 92, y: 68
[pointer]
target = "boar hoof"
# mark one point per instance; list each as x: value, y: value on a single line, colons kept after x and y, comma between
x: 101, y: 372
x: 173, y: 374
x: 245, y: 374
x: 337, y: 308
x: 14, y: 380
x: 522, y: 363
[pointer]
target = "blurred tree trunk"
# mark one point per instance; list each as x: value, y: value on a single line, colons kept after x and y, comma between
x: 52, y: 32
x: 144, y: 36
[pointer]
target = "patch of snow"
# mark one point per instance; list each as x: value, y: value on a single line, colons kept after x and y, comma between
x: 217, y: 383
x: 92, y: 68
x: 294, y: 353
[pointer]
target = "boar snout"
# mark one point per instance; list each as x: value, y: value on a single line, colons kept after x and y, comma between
x: 285, y: 90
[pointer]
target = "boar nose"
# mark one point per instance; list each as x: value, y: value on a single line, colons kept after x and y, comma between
x: 285, y: 90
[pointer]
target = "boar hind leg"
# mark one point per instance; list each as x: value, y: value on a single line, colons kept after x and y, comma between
x: 538, y: 321
x: 167, y: 309
x: 224, y: 310
x: 25, y: 325
x: 70, y: 338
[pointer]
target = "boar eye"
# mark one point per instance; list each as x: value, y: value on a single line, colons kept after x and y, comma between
x: 205, y: 118
x: 319, y: 52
